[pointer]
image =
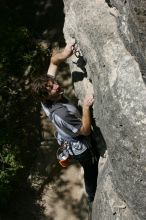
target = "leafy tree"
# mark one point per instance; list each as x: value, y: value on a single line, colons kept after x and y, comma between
x: 19, y: 134
x: 21, y: 58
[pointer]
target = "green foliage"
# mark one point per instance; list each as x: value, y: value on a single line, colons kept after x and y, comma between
x: 21, y: 58
x: 9, y: 166
x: 16, y: 48
x: 19, y: 133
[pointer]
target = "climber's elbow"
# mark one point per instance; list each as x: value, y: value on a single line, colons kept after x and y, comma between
x: 85, y: 131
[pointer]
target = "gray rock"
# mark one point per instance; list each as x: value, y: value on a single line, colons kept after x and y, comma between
x: 120, y: 96
x: 132, y: 28
x: 107, y: 203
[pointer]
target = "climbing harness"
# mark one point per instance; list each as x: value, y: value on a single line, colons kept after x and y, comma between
x: 62, y: 153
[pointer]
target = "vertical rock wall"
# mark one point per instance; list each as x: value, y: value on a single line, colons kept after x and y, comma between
x: 132, y: 28
x: 113, y: 42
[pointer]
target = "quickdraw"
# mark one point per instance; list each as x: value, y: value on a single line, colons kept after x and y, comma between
x: 76, y: 51
x: 81, y: 62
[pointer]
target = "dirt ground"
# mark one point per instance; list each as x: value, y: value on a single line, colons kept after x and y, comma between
x: 64, y: 197
x: 59, y: 198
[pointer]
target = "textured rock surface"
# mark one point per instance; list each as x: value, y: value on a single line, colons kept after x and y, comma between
x: 110, y: 40
x: 132, y: 27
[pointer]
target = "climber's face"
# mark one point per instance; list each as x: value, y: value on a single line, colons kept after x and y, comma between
x: 54, y: 90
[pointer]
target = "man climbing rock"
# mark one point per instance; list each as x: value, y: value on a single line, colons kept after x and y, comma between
x: 73, y: 130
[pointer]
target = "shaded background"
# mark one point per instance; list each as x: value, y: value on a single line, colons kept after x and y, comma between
x: 28, y: 30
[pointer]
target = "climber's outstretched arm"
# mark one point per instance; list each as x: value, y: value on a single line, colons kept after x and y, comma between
x: 60, y: 57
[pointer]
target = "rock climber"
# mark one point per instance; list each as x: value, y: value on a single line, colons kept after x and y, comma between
x: 72, y: 126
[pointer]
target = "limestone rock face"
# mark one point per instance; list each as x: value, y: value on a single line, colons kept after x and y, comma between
x: 132, y: 28
x: 113, y: 42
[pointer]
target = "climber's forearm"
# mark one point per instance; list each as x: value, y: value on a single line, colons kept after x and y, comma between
x: 86, y: 122
x: 58, y: 58
x: 52, y: 70
x: 55, y: 61
x: 86, y: 118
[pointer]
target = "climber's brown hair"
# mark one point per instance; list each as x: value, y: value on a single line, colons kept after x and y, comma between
x: 39, y: 87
